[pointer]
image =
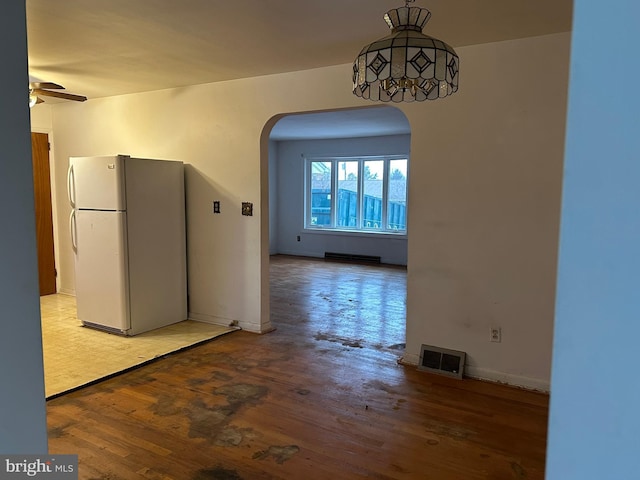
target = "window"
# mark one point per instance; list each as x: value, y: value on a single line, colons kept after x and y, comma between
x: 365, y: 194
x: 321, y: 194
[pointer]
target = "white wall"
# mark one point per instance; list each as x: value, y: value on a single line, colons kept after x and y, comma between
x: 594, y: 420
x: 22, y: 406
x: 290, y: 199
x: 484, y: 193
x: 41, y: 118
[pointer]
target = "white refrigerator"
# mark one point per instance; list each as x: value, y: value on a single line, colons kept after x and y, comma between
x: 128, y: 235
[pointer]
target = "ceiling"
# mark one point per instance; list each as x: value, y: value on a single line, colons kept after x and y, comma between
x: 113, y: 47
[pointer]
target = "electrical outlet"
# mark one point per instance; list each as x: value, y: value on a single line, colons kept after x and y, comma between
x: 495, y: 334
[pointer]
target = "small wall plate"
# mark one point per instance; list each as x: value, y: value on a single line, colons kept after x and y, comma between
x: 247, y: 209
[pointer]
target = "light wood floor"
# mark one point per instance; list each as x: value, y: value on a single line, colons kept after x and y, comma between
x: 322, y: 397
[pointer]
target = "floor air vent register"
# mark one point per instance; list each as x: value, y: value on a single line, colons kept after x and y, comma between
x: 442, y: 361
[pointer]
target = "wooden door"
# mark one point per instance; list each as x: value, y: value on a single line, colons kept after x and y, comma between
x: 44, y: 217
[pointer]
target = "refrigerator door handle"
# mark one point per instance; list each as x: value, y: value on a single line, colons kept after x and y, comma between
x: 73, y: 230
x: 71, y: 186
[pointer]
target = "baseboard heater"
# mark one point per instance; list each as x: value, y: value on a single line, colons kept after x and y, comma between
x: 442, y: 361
x: 351, y: 257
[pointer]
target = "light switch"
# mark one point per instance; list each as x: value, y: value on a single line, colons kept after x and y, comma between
x: 216, y: 206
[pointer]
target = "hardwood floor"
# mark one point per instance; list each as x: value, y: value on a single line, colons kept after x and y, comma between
x: 321, y: 397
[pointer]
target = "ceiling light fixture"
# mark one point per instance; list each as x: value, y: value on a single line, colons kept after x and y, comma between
x: 33, y: 99
x: 407, y: 65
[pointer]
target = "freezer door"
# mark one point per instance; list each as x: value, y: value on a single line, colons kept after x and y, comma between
x: 102, y: 283
x: 97, y: 183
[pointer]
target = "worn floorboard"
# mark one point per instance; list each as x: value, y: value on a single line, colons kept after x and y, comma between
x: 321, y: 397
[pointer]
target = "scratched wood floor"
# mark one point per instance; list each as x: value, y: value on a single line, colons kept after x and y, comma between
x: 322, y: 397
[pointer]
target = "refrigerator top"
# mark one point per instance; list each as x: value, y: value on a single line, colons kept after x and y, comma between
x: 97, y: 183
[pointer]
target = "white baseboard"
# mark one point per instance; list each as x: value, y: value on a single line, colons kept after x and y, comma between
x: 204, y: 318
x: 228, y: 322
x: 486, y: 374
x: 529, y: 383
x: 66, y: 291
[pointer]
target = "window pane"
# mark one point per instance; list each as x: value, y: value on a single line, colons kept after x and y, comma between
x: 320, y: 194
x: 347, y: 204
x: 397, y: 203
x: 372, y: 200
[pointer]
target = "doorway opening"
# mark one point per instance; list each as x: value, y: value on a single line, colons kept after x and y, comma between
x: 357, y: 305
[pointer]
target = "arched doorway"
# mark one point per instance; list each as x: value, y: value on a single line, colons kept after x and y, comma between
x: 288, y: 142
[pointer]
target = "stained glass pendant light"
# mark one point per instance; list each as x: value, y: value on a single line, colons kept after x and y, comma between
x: 407, y: 65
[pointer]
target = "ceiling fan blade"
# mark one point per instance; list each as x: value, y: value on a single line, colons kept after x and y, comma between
x: 49, y: 85
x: 66, y: 96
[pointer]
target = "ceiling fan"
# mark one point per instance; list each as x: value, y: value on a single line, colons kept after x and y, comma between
x: 50, y: 89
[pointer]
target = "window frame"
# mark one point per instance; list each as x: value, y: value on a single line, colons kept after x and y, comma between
x: 359, y: 228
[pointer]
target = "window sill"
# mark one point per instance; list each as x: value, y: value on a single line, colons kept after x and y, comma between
x: 356, y: 233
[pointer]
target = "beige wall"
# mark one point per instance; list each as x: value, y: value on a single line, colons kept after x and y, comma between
x: 484, y: 211
x: 484, y: 193
x: 41, y: 119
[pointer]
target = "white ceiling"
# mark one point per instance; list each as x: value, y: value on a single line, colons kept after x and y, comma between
x: 102, y: 48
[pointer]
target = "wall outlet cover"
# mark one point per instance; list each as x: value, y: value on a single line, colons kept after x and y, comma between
x: 495, y: 334
x: 247, y: 209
